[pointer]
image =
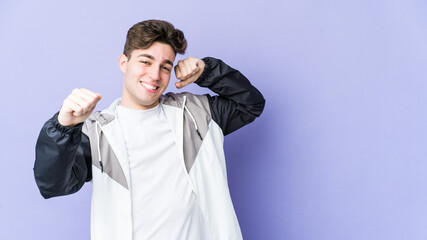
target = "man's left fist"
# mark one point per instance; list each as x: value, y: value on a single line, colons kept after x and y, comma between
x: 188, y: 71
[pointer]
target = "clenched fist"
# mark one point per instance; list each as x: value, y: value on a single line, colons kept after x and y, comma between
x: 188, y: 71
x: 77, y: 107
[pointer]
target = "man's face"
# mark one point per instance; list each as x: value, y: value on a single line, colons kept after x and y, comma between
x: 146, y: 75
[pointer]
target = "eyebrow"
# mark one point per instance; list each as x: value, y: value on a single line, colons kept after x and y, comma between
x: 167, y: 61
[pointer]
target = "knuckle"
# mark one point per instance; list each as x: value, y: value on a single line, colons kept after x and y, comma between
x: 85, y: 106
x: 67, y: 103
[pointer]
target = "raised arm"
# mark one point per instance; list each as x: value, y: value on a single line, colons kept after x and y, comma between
x: 238, y: 102
x: 63, y: 156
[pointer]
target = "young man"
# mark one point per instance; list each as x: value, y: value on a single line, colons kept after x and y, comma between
x: 156, y: 161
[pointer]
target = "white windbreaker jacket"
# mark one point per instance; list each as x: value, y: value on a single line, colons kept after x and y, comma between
x: 95, y: 151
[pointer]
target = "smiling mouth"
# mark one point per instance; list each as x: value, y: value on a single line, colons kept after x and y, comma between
x: 149, y: 86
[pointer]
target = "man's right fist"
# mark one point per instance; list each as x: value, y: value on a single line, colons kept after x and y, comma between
x: 77, y: 107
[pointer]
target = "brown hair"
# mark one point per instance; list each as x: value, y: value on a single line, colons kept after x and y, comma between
x: 143, y: 34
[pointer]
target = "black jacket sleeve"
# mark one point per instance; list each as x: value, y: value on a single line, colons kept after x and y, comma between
x: 63, y: 159
x: 238, y: 103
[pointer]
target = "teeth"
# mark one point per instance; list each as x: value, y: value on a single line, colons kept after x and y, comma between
x: 148, y: 86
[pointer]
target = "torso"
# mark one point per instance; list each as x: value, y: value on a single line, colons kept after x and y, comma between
x: 164, y: 205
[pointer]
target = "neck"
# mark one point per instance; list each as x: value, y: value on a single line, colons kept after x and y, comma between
x: 137, y: 106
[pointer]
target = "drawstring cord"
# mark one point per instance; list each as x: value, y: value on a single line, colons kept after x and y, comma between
x: 97, y: 145
x: 191, y: 116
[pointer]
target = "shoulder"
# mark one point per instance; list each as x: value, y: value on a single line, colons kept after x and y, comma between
x: 192, y: 102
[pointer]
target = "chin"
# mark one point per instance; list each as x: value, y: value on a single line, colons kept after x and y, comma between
x: 148, y: 103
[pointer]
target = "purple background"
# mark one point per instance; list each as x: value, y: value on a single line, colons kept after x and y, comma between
x: 339, y: 153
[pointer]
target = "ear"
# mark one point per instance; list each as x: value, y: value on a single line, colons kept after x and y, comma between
x: 123, y: 62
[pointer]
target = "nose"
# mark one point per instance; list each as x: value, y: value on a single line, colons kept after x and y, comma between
x: 154, y: 73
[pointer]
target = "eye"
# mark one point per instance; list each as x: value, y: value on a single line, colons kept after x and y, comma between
x: 144, y: 62
x: 166, y: 69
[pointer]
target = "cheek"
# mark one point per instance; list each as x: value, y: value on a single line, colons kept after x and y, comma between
x: 166, y: 78
x: 137, y: 71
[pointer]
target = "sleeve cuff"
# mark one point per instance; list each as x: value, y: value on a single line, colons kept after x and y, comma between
x: 64, y: 129
x: 206, y: 72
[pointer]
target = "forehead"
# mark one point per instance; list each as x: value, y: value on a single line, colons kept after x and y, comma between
x: 158, y: 51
